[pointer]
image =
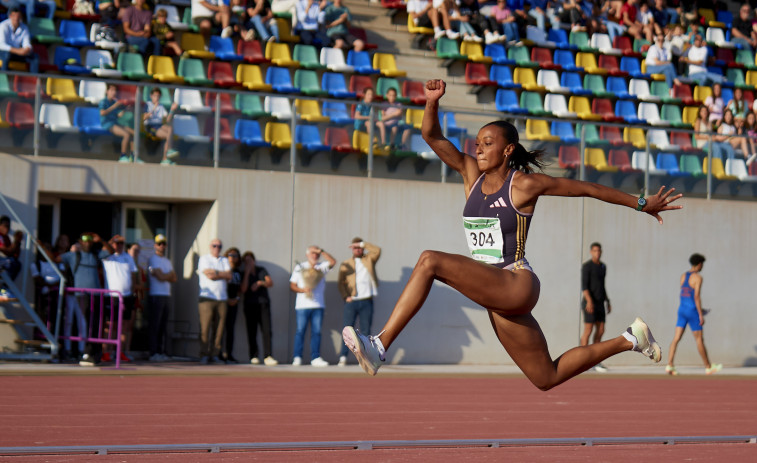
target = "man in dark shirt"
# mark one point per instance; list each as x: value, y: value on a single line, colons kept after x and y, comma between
x: 742, y: 31
x: 594, y: 297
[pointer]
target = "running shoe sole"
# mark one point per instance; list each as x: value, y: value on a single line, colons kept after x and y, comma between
x: 353, y: 343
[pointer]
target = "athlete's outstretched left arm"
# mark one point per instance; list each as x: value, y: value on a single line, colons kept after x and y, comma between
x: 532, y: 186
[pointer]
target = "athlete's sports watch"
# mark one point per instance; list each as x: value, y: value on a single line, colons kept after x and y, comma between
x: 641, y: 202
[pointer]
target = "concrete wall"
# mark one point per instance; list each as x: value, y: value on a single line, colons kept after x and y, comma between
x: 277, y: 215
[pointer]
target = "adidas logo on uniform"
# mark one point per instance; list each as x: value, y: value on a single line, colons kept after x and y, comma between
x: 498, y: 203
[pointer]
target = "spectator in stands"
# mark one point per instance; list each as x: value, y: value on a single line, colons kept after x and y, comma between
x: 738, y: 104
x: 260, y: 20
x: 424, y: 13
x: 109, y: 10
x: 121, y: 275
x: 15, y: 41
x: 157, y: 123
x: 391, y: 115
x: 715, y: 104
x: 164, y: 32
x: 363, y: 109
x: 506, y: 19
x: 742, y: 31
x: 286, y: 7
x: 697, y: 60
x: 207, y: 13
x: 337, y: 19
x: 161, y: 275
x: 661, y: 16
x: 727, y: 135
x: 610, y: 12
x: 46, y: 284
x: 110, y: 110
x: 537, y: 10
x: 486, y: 26
x: 750, y: 128
x: 676, y: 46
x: 658, y: 61
x: 136, y: 22
x: 10, y: 249
x: 215, y: 273
x: 629, y: 18
x: 30, y: 5
x: 234, y: 295
x: 702, y: 124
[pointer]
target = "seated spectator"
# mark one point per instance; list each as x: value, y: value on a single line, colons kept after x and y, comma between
x: 729, y: 139
x: 110, y: 110
x: 363, y: 110
x: 157, y: 123
x: 676, y: 46
x: 750, y: 128
x: 15, y: 41
x: 661, y: 15
x: 10, y: 249
x: 260, y: 20
x: 207, y: 13
x: 742, y: 31
x: 702, y: 138
x: 136, y: 21
x: 629, y: 18
x: 310, y: 22
x: 391, y: 116
x: 538, y: 11
x: 108, y: 10
x: 737, y: 105
x: 29, y: 5
x: 425, y: 14
x: 164, y: 32
x: 337, y: 19
x: 658, y: 61
x: 482, y: 25
x: 697, y: 60
x: 646, y: 18
x: 610, y: 11
x: 287, y: 7
x: 715, y: 104
x: 506, y: 19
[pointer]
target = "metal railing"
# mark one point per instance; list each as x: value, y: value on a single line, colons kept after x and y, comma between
x: 98, y: 309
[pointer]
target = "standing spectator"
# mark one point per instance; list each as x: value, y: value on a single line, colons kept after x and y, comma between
x: 358, y: 285
x: 594, y: 294
x: 136, y: 22
x: 134, y: 251
x: 742, y: 31
x: 234, y: 295
x: 690, y: 312
x: 260, y: 20
x: 47, y: 285
x: 310, y: 22
x: 15, y: 41
x: 110, y: 110
x: 161, y: 273
x: 50, y: 7
x: 121, y: 275
x: 10, y: 249
x: 164, y: 32
x: 215, y: 273
x: 62, y: 245
x: 697, y: 60
x: 157, y: 123
x: 658, y: 61
x: 257, y: 308
x: 337, y: 19
x: 206, y: 13
x: 308, y: 281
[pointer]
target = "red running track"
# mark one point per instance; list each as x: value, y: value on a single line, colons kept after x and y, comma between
x: 180, y: 409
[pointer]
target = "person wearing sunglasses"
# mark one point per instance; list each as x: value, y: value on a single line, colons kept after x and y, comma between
x: 161, y: 274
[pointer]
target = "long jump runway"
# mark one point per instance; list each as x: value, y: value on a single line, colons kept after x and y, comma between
x: 280, y: 414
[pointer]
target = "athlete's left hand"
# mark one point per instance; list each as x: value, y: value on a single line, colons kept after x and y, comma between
x: 661, y: 202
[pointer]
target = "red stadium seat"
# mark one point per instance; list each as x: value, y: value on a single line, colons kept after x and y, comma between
x: 619, y: 159
x: 227, y: 106
x: 477, y: 74
x: 221, y: 74
x: 414, y: 91
x: 610, y: 63
x: 359, y: 83
x: 251, y: 51
x: 227, y: 137
x: 603, y: 107
x: 339, y: 140
x: 544, y: 58
x: 19, y: 115
x: 568, y: 157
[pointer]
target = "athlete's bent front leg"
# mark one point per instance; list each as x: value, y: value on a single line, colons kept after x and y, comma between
x: 523, y: 339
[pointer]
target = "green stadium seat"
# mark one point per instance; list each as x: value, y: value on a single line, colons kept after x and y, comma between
x: 533, y: 103
x: 193, y: 71
x: 307, y: 81
x: 690, y: 163
x: 521, y: 57
x: 672, y: 114
x: 448, y: 49
x: 580, y: 39
x: 307, y: 56
x: 132, y: 66
x: 249, y: 105
x: 43, y: 30
x: 595, y: 83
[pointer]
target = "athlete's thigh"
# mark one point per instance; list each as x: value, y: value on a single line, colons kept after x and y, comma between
x: 524, y: 341
x: 492, y: 287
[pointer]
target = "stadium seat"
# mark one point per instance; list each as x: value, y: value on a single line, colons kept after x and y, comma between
x: 537, y: 129
x: 595, y: 158
x: 701, y: 93
x: 572, y: 81
x: 533, y: 103
x: 669, y: 163
x: 193, y: 72
x: 635, y: 136
x: 716, y: 36
x: 132, y: 66
x: 252, y: 52
x: 414, y: 91
x: 194, y: 46
x: 337, y: 112
x: 725, y: 17
x: 617, y: 86
x: 361, y: 62
x: 25, y: 86
x: 683, y: 91
x: 221, y: 74
x: 498, y: 54
x: 249, y: 105
x: 567, y: 61
x: 580, y: 106
x: 611, y: 135
x: 565, y: 131
x: 672, y: 114
x: 651, y: 113
x: 101, y: 64
x: 224, y: 131
x: 227, y: 107
x: 361, y: 142
x: 475, y: 52
x: 639, y: 88
x: 413, y: 29
x: 641, y: 159
x: 279, y: 55
x: 718, y: 169
x: 632, y: 66
x: 339, y: 140
x: 162, y: 69
x: 385, y: 83
x: 309, y: 110
x: 588, y: 62
x: 55, y: 118
x: 307, y: 56
x: 87, y: 120
x: 360, y: 34
x: 520, y: 56
x: 62, y: 90
x: 5, y: 87
x: 68, y: 60
x: 187, y: 17
x: 555, y: 103
x: 737, y: 168
x: 745, y: 57
x: 640, y: 45
x: 550, y: 80
x: 186, y: 128
x: 307, y: 81
x: 502, y: 75
x: 536, y: 37
x: 580, y: 39
x: 223, y: 49
x: 250, y: 77
x: 333, y: 59
x: 190, y: 100
x: 93, y: 91
x: 691, y: 164
x: 453, y: 130
x: 173, y: 19
x: 477, y: 74
x: 690, y: 114
x: 591, y: 132
x: 278, y: 135
x: 610, y: 64
x: 623, y: 43
x: 543, y: 57
x: 683, y: 141
x: 280, y: 80
x: 128, y: 94
x: 619, y: 159
x: 43, y: 30
x: 279, y: 107
x: 560, y: 38
x: 335, y: 85
x: 527, y: 79
x: 74, y: 34
x: 414, y: 118
x: 99, y: 42
x: 448, y: 49
x: 45, y: 64
x: 660, y: 89
x: 249, y: 134
x: 285, y: 31
x: 603, y: 43
x: 627, y: 110
x: 658, y: 139
x: 308, y: 137
x: 568, y: 157
x: 385, y: 63
x: 358, y: 84
x: 596, y: 83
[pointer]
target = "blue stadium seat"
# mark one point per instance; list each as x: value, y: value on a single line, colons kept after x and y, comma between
x: 726, y: 17
x: 68, y: 60
x: 249, y: 133
x: 669, y: 163
x: 335, y: 84
x: 309, y: 138
x: 507, y: 101
x: 560, y: 38
x: 87, y: 119
x: 337, y: 112
x: 632, y: 66
x: 618, y: 86
x: 498, y: 54
x: 564, y: 130
x: 452, y: 128
x: 74, y: 33
x: 572, y: 81
x: 223, y: 48
x: 362, y: 62
x: 280, y: 79
x: 502, y: 75
x: 627, y: 110
x: 566, y: 59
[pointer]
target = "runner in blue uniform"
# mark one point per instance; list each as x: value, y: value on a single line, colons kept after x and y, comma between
x: 502, y: 191
x: 690, y: 313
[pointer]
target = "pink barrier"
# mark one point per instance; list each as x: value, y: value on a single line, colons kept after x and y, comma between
x: 101, y: 295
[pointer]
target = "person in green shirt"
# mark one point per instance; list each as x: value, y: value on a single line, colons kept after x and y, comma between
x: 337, y: 19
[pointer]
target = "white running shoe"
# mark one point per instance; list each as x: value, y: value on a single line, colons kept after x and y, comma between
x: 599, y: 368
x: 453, y: 35
x: 255, y: 361
x: 367, y: 349
x: 645, y: 342
x: 439, y: 34
x: 318, y: 362
x: 297, y: 361
x: 270, y: 361
x: 227, y: 32
x: 714, y: 368
x: 342, y: 361
x: 477, y: 39
x: 490, y: 38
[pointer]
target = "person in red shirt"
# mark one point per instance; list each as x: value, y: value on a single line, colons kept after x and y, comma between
x: 628, y: 18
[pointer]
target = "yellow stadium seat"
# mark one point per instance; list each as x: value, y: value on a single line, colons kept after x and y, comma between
x: 310, y: 111
x: 285, y: 31
x: 278, y: 135
x: 595, y: 157
x: 654, y: 76
x: 162, y: 69
x: 581, y: 106
x: 385, y: 63
x: 589, y: 62
x: 690, y: 114
x: 414, y: 117
x: 361, y: 142
x: 194, y: 46
x: 413, y: 29
x: 751, y: 78
x: 635, y: 136
x: 475, y: 52
x: 539, y: 130
x: 251, y: 78
x: 718, y: 171
x: 701, y: 92
x: 709, y: 17
x: 62, y: 90
x: 527, y: 79
x: 280, y: 55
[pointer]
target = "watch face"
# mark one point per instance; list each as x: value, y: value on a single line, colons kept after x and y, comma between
x: 642, y: 202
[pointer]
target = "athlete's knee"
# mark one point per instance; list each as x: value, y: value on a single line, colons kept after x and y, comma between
x: 428, y: 260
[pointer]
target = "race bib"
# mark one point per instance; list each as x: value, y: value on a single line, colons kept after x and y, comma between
x: 484, y: 238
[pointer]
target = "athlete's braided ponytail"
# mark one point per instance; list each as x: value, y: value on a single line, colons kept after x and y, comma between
x: 521, y: 159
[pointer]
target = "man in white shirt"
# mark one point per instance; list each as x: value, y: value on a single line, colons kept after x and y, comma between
x: 309, y: 282
x: 206, y: 13
x: 15, y: 41
x: 215, y: 272
x: 425, y: 13
x: 697, y: 59
x: 162, y: 275
x: 121, y: 276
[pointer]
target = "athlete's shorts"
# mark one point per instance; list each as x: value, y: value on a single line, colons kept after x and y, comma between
x: 521, y: 264
x: 690, y: 316
x: 598, y: 316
